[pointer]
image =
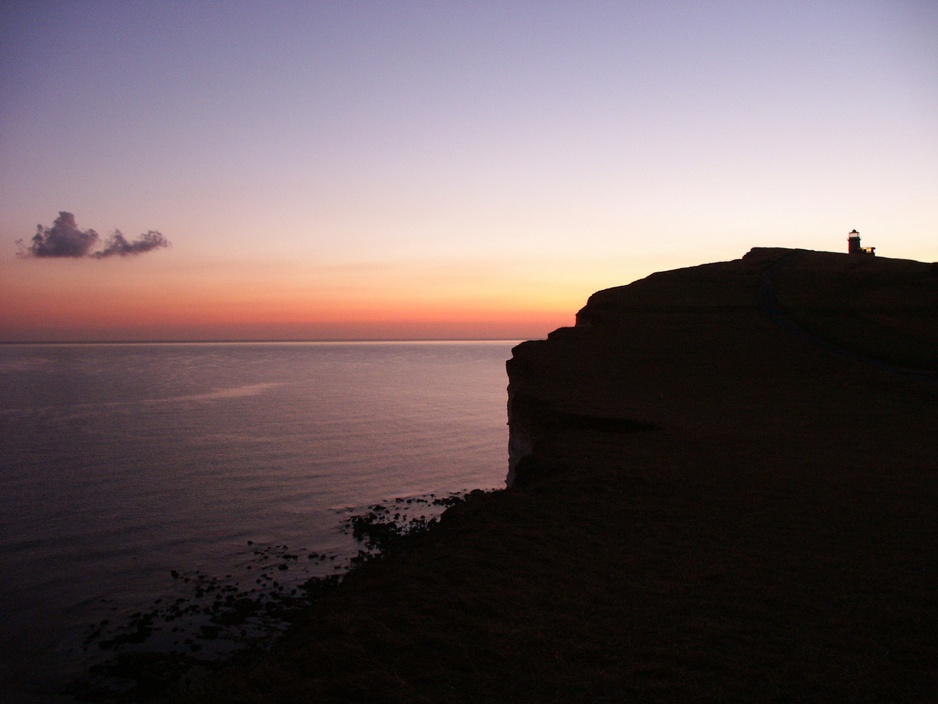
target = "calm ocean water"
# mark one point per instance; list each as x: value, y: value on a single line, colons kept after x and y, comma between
x: 121, y: 464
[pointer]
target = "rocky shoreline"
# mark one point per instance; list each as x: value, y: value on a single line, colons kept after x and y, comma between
x: 211, y: 621
x: 704, y: 506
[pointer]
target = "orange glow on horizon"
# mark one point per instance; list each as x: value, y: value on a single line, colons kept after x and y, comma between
x: 137, y: 318
x: 150, y: 300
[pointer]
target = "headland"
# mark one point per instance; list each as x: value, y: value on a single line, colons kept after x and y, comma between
x: 723, y: 488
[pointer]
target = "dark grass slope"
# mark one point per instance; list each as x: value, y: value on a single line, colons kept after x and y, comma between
x: 753, y: 518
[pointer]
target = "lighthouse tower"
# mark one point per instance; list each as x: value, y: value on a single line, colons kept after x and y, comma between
x: 853, y: 243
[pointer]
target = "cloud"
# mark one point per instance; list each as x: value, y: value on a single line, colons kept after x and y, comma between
x: 65, y: 239
x: 119, y: 245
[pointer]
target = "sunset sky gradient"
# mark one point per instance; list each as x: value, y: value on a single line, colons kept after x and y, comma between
x: 363, y: 170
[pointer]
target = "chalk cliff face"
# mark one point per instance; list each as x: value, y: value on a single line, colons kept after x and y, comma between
x: 703, y: 347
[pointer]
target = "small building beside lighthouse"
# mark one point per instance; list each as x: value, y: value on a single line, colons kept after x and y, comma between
x: 853, y: 245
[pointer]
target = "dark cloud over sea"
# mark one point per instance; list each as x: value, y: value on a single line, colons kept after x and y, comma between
x: 65, y: 239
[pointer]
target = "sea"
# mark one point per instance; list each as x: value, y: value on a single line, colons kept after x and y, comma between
x: 147, y: 488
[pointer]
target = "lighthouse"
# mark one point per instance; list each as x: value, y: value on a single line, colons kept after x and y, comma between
x: 853, y: 245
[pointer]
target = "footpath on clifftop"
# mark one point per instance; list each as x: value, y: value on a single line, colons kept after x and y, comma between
x: 725, y: 489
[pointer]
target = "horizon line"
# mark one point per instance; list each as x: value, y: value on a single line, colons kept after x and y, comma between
x: 229, y: 341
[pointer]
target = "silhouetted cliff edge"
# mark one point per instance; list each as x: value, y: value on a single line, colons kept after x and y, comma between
x: 724, y: 489
x: 721, y: 343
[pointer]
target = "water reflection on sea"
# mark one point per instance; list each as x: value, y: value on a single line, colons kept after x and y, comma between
x: 134, y: 475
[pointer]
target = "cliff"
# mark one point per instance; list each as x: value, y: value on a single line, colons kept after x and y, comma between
x: 733, y: 347
x: 724, y: 489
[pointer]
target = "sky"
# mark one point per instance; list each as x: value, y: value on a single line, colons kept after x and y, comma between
x: 441, y: 170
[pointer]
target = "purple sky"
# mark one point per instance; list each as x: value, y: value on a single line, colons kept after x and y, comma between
x: 500, y: 159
